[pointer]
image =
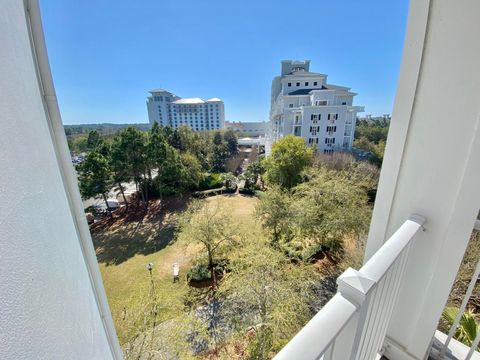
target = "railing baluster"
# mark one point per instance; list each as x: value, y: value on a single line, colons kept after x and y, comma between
x: 474, y: 346
x: 375, y: 338
x: 461, y: 310
x: 398, y: 276
x: 370, y: 328
x: 328, y: 355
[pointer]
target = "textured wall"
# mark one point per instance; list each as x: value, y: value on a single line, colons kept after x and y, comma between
x: 47, y: 307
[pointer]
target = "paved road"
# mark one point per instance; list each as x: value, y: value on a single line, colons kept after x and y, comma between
x: 127, y: 188
x: 98, y: 201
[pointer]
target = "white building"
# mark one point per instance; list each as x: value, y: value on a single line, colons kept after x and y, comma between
x: 167, y: 109
x: 304, y: 104
x: 257, y: 128
x: 53, y: 304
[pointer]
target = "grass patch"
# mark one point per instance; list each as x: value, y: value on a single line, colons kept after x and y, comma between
x: 126, y: 247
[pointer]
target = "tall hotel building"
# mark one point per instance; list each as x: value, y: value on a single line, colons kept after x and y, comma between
x: 167, y: 109
x: 304, y: 104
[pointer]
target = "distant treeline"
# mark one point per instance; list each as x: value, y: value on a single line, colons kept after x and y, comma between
x: 371, y: 136
x: 103, y: 129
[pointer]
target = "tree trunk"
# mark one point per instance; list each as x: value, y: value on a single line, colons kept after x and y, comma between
x: 138, y: 192
x: 108, y: 207
x: 145, y: 186
x: 123, y: 194
x: 160, y: 188
x: 142, y: 194
x: 212, y: 269
x: 275, y: 235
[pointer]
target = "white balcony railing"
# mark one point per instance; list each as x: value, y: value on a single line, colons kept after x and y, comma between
x: 353, y: 324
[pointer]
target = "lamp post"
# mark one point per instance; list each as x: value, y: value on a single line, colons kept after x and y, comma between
x: 150, y: 268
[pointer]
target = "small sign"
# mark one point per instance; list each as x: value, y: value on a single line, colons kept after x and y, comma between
x: 176, y: 270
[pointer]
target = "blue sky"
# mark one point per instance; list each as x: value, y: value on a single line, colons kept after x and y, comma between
x: 106, y: 55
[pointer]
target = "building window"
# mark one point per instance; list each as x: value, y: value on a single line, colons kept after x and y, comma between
x: 332, y: 117
x: 298, y: 84
x: 328, y: 151
x: 331, y: 129
x: 290, y: 105
x: 344, y: 103
x: 321, y: 102
x: 306, y: 83
x: 348, y: 130
x: 289, y: 84
x: 314, y: 83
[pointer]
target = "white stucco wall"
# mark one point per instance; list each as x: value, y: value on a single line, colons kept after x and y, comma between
x: 48, y: 309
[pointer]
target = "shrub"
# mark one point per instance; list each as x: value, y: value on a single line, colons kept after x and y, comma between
x: 199, y: 272
x: 245, y: 191
x: 211, y: 181
x: 213, y: 192
x: 309, y: 253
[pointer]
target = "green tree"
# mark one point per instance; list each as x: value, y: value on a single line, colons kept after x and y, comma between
x: 330, y: 206
x: 133, y: 143
x: 231, y: 141
x: 217, y: 138
x: 94, y: 177
x: 118, y: 161
x: 210, y: 224
x: 171, y: 179
x: 157, y: 148
x: 267, y: 294
x: 287, y: 160
x: 93, y: 139
x: 219, y: 157
x: 229, y: 181
x: 371, y: 136
x: 277, y: 214
x: 176, y: 141
x: 249, y: 178
x: 193, y: 171
x: 254, y: 172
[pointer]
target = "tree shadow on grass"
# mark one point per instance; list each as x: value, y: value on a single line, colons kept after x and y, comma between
x: 138, y: 231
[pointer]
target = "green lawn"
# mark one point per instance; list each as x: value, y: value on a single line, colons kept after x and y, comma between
x: 126, y: 247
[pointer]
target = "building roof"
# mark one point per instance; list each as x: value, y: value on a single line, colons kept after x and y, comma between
x: 214, y: 99
x: 189, y: 101
x: 304, y: 73
x: 306, y: 91
x: 159, y: 90
x: 337, y: 87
